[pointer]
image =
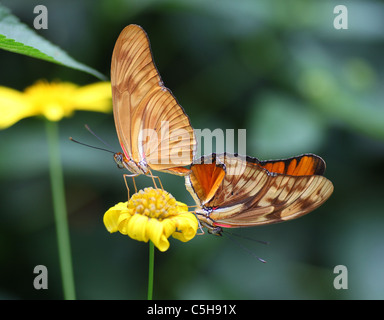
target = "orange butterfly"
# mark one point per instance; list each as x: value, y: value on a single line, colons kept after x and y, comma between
x: 240, y: 191
x: 153, y: 129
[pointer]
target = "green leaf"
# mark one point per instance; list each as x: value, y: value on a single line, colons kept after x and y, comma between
x: 19, y: 38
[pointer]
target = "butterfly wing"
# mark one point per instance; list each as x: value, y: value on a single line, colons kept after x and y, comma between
x: 303, y: 165
x: 152, y: 127
x: 281, y: 198
x: 251, y: 195
x: 205, y: 178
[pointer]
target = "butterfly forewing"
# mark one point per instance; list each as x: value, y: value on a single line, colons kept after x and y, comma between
x: 132, y: 76
x: 151, y: 125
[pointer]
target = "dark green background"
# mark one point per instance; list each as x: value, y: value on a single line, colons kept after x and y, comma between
x: 276, y: 68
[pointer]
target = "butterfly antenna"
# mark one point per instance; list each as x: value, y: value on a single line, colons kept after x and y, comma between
x: 247, y: 238
x: 97, y: 137
x: 243, y: 247
x: 88, y: 145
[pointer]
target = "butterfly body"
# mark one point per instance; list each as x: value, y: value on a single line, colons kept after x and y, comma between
x: 239, y: 191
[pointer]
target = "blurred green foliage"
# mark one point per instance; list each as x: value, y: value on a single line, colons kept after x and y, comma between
x: 19, y: 38
x: 277, y: 68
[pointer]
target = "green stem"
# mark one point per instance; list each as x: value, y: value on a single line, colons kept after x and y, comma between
x: 60, y: 211
x: 151, y: 267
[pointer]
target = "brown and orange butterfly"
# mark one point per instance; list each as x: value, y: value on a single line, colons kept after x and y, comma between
x: 153, y: 129
x: 240, y: 191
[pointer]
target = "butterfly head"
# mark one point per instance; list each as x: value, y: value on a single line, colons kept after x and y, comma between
x: 123, y: 162
x: 119, y: 159
x: 205, y: 221
x: 216, y: 231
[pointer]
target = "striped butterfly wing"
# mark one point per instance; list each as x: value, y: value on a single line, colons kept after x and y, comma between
x: 306, y: 164
x: 151, y: 125
x: 250, y: 195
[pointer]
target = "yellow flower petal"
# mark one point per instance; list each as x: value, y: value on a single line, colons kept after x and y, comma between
x: 53, y: 100
x: 13, y: 107
x: 169, y: 227
x: 137, y: 227
x: 55, y: 112
x: 94, y: 97
x: 155, y: 232
x: 111, y: 217
x: 186, y: 227
x: 122, y: 222
x: 181, y: 206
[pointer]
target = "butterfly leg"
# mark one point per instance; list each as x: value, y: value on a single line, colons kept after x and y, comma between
x: 133, y: 179
x: 201, y: 223
x: 149, y: 174
x: 202, y: 232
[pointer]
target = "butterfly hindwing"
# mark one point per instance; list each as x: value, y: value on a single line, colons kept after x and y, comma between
x: 282, y: 198
x: 205, y: 179
x: 306, y: 164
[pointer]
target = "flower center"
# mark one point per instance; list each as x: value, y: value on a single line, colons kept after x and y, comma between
x: 153, y: 203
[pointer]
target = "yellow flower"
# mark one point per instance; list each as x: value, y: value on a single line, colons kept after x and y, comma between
x: 53, y: 100
x: 152, y: 214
